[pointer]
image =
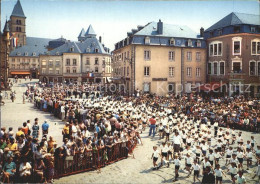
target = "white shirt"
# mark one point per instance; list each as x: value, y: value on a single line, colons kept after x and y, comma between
x: 177, y: 139
x: 164, y: 149
x: 156, y: 154
x: 176, y: 162
x: 233, y: 170
x: 196, y: 167
x: 240, y: 180
x: 218, y: 172
x: 188, y: 160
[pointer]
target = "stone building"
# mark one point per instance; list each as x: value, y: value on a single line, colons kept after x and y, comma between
x: 234, y: 54
x: 160, y: 58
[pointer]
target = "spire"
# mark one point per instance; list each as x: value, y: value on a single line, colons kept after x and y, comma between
x: 82, y: 33
x: 18, y: 10
x: 90, y: 32
x: 6, y: 28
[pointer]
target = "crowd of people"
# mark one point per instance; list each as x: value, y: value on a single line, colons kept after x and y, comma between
x: 199, y: 130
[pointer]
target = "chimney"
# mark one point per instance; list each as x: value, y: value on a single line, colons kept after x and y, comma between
x: 201, y: 32
x: 108, y: 50
x: 100, y: 39
x: 160, y: 27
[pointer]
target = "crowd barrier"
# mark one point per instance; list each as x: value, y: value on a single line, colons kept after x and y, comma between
x: 92, y: 160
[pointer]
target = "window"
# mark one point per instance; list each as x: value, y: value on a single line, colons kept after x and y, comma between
x: 96, y: 61
x: 146, y: 71
x: 13, y: 59
x: 43, y: 62
x: 67, y: 62
x: 127, y: 70
x: 147, y: 40
x: 253, y: 30
x: 68, y: 70
x: 171, y: 55
x: 258, y: 68
x: 50, y: 71
x: 236, y: 29
x: 87, y: 69
x: 172, y: 41
x: 198, y: 71
x: 127, y: 54
x: 236, y: 47
x: 255, y: 45
x: 18, y: 66
x: 198, y: 56
x: 222, y: 68
x: 146, y: 87
x: 34, y: 54
x: 87, y: 61
x: 57, y: 63
x: 171, y: 87
x: 252, y: 68
x: 57, y: 71
x: 18, y: 22
x: 26, y: 53
x: 13, y: 66
x: 215, y: 68
x: 171, y: 71
x: 147, y: 55
x: 103, y: 62
x: 189, y: 69
x: 189, y: 56
x: 50, y: 62
x: 18, y: 29
x: 215, y: 49
x: 74, y: 62
x: 236, y: 67
x: 219, y: 32
x: 96, y: 69
x: 96, y: 50
x: 209, y: 68
x: 189, y: 43
x: 43, y: 71
x: 72, y: 49
x: 74, y: 70
x: 198, y: 43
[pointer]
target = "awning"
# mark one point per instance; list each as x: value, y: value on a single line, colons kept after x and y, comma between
x: 20, y: 73
x: 210, y: 86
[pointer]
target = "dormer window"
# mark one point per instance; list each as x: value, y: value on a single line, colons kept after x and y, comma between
x: 219, y: 32
x: 18, y: 53
x: 72, y: 49
x: 172, y: 41
x: 253, y: 29
x: 189, y: 43
x: 26, y: 53
x: 57, y: 53
x: 236, y: 29
x: 34, y: 54
x: 96, y: 50
x: 198, y: 43
x: 147, y: 40
x: 88, y: 50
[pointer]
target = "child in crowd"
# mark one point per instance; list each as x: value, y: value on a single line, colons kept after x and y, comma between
x: 155, y: 157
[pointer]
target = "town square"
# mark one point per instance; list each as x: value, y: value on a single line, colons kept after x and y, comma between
x: 150, y: 97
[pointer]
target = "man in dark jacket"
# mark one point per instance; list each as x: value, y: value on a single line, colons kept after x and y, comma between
x: 208, y: 177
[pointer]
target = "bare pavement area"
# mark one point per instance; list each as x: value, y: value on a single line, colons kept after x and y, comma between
x: 131, y: 170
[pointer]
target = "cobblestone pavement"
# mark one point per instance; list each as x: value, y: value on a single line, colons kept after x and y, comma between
x: 13, y: 114
x: 138, y: 170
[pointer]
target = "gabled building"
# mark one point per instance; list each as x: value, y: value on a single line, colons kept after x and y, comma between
x: 234, y: 53
x: 87, y: 60
x: 160, y: 58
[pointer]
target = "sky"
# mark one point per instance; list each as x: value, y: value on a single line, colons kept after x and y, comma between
x: 113, y: 19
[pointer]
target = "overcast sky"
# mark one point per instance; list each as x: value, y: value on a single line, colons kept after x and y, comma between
x: 113, y: 19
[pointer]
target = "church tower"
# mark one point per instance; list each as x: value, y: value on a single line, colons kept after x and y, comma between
x: 17, y: 26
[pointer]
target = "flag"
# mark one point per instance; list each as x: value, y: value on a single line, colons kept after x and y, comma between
x: 90, y: 75
x: 14, y: 42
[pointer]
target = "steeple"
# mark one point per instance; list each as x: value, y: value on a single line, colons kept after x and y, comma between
x: 81, y: 35
x: 18, y: 10
x: 90, y: 32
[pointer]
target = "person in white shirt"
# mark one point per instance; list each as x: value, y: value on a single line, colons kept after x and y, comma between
x: 249, y: 157
x: 196, y: 168
x: 240, y: 178
x: 233, y: 171
x: 188, y: 161
x: 155, y: 157
x: 229, y: 154
x: 176, y: 162
x: 218, y: 173
x: 164, y: 154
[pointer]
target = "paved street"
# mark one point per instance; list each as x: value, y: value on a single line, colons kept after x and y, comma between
x: 14, y: 114
x: 126, y: 171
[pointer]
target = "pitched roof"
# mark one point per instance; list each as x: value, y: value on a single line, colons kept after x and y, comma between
x: 169, y: 30
x: 90, y: 31
x: 236, y: 19
x: 68, y: 47
x: 18, y: 10
x: 82, y: 33
x: 34, y: 47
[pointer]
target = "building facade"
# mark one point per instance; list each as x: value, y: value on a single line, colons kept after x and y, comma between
x: 87, y: 60
x: 160, y: 58
x: 234, y: 54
